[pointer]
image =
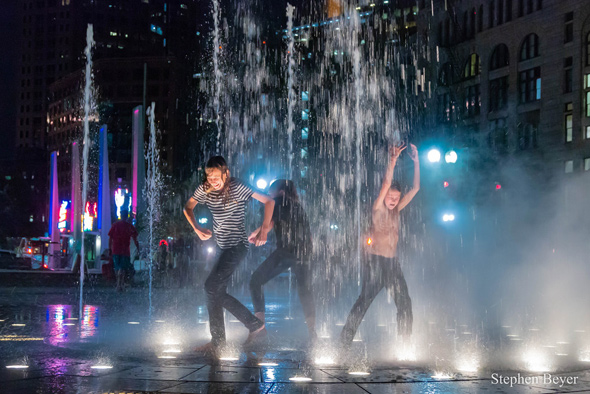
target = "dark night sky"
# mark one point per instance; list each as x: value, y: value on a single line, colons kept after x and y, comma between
x: 8, y: 76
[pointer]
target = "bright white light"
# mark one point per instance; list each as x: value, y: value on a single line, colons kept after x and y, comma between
x: 17, y: 366
x: 536, y: 361
x: 18, y: 325
x: 451, y: 157
x: 324, y: 360
x: 168, y: 357
x: 69, y: 324
x: 334, y: 227
x: 434, y: 155
x: 159, y: 321
x: 171, y: 342
x: 203, y: 220
x: 268, y: 364
x: 101, y: 367
x: 359, y: 373
x: 172, y: 351
x: 210, y: 250
x: 231, y: 358
x: 261, y: 183
x: 441, y: 375
x: 133, y: 322
x: 300, y: 379
x: 448, y: 217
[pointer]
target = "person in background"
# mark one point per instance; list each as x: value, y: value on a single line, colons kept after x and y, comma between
x: 120, y: 235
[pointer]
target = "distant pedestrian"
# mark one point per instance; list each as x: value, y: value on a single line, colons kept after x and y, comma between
x: 120, y: 235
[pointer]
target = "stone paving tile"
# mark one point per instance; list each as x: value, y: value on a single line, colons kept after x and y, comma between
x: 155, y: 373
x: 321, y: 388
x: 282, y: 375
x: 454, y: 387
x: 394, y: 375
x: 225, y: 373
x: 220, y: 388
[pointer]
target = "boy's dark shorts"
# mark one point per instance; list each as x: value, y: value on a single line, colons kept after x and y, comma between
x: 122, y: 262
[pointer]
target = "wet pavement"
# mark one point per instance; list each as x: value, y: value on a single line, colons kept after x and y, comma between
x: 114, y: 346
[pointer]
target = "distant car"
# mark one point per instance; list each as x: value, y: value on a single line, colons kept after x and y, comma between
x: 9, y: 261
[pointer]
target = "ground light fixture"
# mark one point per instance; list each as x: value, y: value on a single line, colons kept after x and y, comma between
x: 451, y: 157
x: 434, y: 155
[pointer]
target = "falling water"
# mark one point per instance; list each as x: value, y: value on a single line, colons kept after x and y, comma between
x: 87, y: 98
x: 291, y: 97
x: 358, y: 123
x: 217, y: 72
x: 153, y: 186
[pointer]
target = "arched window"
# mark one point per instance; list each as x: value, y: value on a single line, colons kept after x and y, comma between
x: 445, y: 76
x: 472, y: 66
x: 530, y: 47
x: 500, y: 57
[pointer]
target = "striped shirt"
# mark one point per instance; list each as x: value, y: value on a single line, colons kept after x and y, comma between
x: 229, y: 217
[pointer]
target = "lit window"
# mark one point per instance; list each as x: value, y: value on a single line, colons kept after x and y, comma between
x: 587, y: 132
x: 305, y: 133
x: 587, y: 164
x: 472, y: 66
x: 303, y: 153
x: 305, y: 95
x: 569, y: 166
x: 530, y: 85
x: 569, y: 127
x: 305, y: 114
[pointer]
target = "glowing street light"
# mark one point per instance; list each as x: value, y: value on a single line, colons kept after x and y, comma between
x: 448, y: 217
x: 451, y: 157
x: 434, y: 155
x: 261, y: 184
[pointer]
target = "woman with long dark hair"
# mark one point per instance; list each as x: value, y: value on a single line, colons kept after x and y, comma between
x: 227, y: 197
x: 293, y: 251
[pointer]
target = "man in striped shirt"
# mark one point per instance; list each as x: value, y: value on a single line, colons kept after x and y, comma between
x: 226, y: 198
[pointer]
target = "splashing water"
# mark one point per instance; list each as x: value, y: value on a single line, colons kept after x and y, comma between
x: 291, y: 97
x: 216, y: 72
x: 87, y: 106
x: 153, y: 187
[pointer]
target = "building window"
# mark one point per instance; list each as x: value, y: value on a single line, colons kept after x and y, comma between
x: 492, y: 14
x: 500, y: 12
x: 569, y: 166
x: 305, y: 96
x: 530, y: 6
x: 527, y: 136
x: 539, y: 5
x: 498, y: 134
x: 305, y: 133
x: 520, y: 8
x: 472, y: 66
x: 530, y: 85
x: 445, y: 77
x: 500, y: 57
x: 472, y: 100
x: 508, y: 10
x: 587, y: 164
x: 498, y: 93
x: 480, y: 19
x: 569, y: 127
x: 305, y: 114
x: 568, y: 75
x: 447, y: 107
x: 588, y: 49
x: 569, y: 27
x: 530, y: 47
